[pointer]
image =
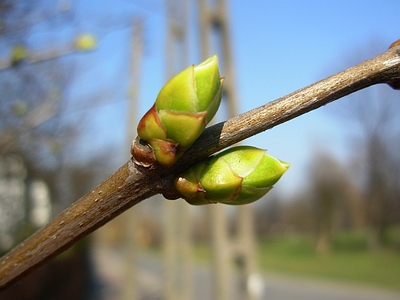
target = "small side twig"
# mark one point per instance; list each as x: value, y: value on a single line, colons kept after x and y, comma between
x: 132, y: 183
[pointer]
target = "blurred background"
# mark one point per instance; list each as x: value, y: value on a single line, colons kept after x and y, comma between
x: 76, y: 76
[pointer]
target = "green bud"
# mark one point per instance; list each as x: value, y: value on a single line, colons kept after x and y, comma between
x: 237, y: 176
x: 85, y: 42
x: 20, y: 107
x: 18, y: 53
x: 183, y: 108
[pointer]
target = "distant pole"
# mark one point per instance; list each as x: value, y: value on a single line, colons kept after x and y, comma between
x: 214, y: 22
x: 177, y: 229
x: 130, y: 285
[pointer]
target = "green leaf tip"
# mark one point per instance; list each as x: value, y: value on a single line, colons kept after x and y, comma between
x: 182, y: 110
x: 236, y: 176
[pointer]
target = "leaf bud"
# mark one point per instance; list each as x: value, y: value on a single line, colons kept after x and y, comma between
x: 237, y: 176
x: 85, y: 42
x: 183, y: 108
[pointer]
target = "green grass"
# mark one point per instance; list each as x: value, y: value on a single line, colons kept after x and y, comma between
x: 349, y: 260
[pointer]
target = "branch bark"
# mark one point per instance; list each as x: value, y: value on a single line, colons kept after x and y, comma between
x: 132, y: 183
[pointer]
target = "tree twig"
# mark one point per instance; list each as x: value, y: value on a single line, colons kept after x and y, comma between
x: 131, y: 183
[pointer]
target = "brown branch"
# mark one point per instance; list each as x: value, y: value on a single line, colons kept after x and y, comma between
x: 132, y: 184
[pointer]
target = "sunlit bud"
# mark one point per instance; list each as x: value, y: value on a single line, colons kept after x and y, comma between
x: 85, y: 42
x: 18, y: 53
x: 237, y: 176
x: 20, y: 107
x: 182, y: 110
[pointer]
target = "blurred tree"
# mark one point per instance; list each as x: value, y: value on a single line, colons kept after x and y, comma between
x: 378, y: 121
x: 328, y: 197
x: 38, y: 121
x: 373, y: 127
x: 297, y: 214
x: 32, y: 102
x: 39, y: 126
x: 268, y: 216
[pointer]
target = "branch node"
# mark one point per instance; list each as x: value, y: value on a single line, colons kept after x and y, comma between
x: 142, y: 154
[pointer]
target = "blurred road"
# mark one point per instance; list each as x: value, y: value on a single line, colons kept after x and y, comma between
x: 271, y: 286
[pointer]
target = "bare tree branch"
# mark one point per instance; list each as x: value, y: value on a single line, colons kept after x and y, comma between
x: 131, y: 183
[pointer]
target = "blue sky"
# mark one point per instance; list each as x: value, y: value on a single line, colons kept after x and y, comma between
x: 281, y: 46
x: 278, y: 47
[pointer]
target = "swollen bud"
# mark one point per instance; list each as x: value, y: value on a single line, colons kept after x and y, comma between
x: 237, y: 176
x: 18, y: 53
x: 85, y: 42
x: 182, y: 110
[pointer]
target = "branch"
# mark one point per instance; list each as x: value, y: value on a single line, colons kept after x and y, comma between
x: 132, y: 183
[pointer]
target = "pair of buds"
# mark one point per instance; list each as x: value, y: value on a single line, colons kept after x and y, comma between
x: 181, y: 112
